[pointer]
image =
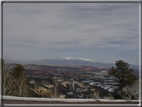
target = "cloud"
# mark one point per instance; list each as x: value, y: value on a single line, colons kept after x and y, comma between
x: 71, y: 26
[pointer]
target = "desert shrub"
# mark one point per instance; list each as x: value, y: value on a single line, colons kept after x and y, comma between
x: 131, y: 92
x: 95, y: 95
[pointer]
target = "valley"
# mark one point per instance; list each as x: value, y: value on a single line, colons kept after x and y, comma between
x: 65, y: 80
x: 72, y: 82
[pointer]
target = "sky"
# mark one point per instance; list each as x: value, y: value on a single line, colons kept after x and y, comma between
x: 102, y: 32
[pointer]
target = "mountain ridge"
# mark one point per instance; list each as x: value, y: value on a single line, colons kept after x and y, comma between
x: 66, y: 61
x: 71, y: 58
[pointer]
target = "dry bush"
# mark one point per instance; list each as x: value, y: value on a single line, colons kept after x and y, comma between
x: 131, y: 92
x: 43, y: 92
x: 95, y: 95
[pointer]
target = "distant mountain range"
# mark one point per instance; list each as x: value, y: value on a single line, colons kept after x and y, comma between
x: 73, y: 59
x: 69, y: 61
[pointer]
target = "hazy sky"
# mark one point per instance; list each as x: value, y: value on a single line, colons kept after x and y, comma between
x: 104, y: 32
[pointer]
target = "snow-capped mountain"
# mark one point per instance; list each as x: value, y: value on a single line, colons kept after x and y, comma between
x: 70, y: 61
x: 73, y: 59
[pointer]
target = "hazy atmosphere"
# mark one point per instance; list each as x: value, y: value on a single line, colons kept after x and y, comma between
x: 103, y: 32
